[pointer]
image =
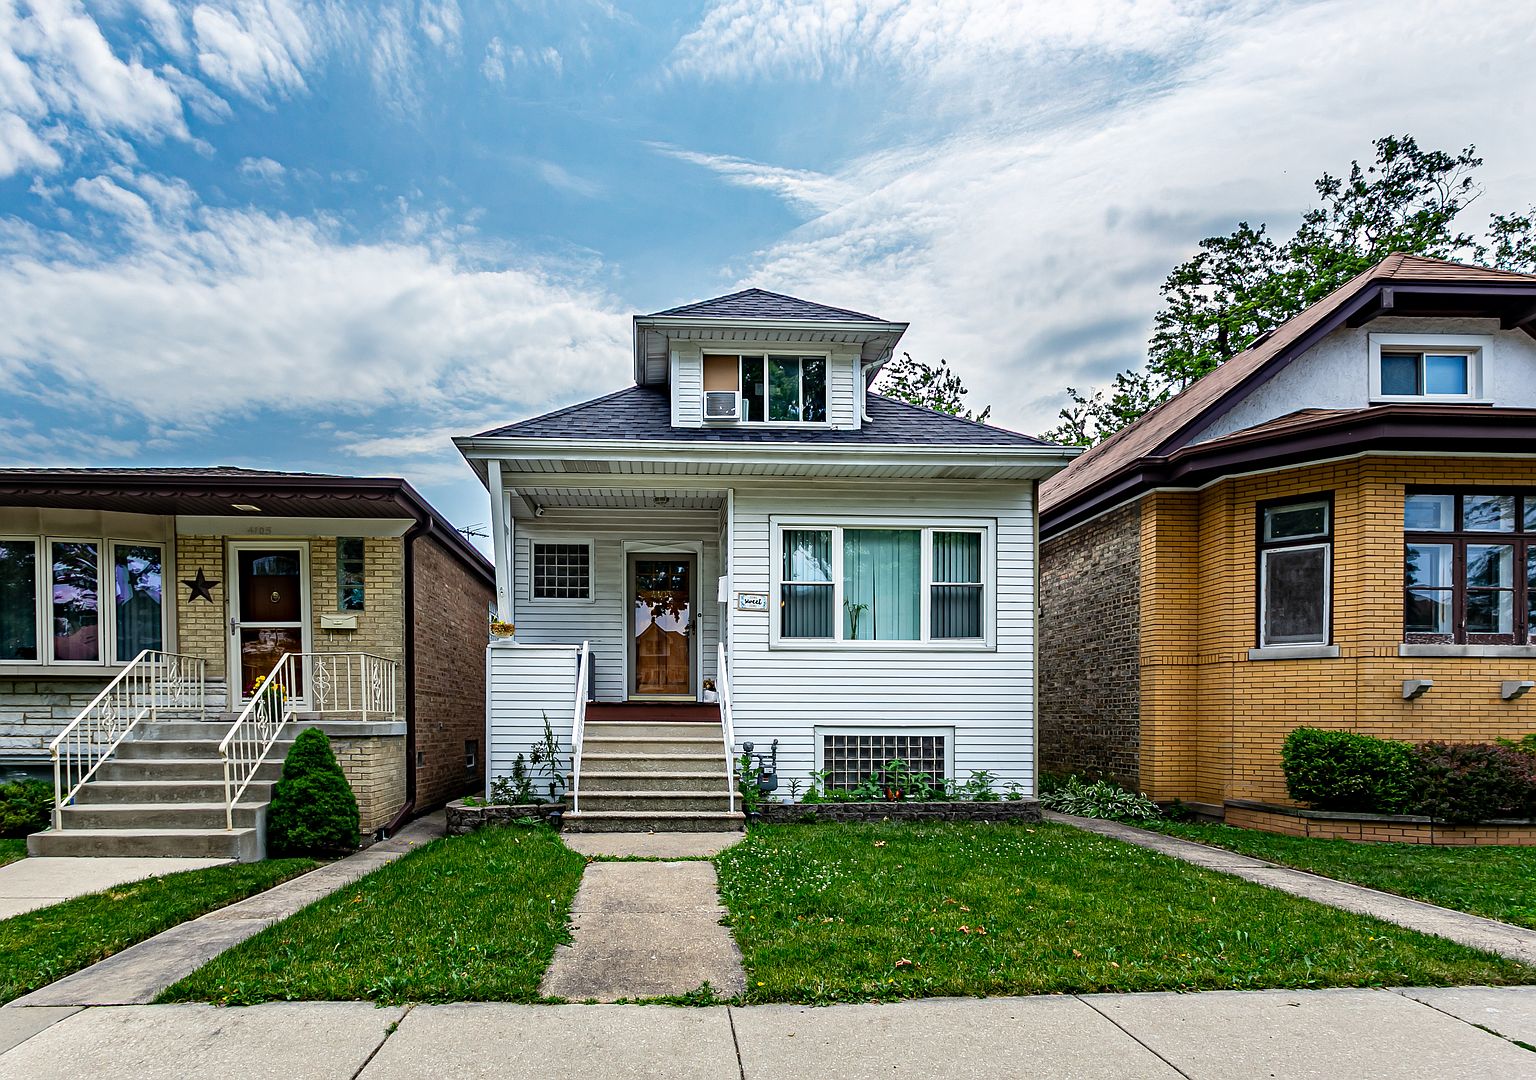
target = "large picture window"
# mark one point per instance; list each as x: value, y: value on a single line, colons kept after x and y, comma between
x: 882, y: 583
x: 1469, y: 567
x: 138, y: 572
x: 1295, y: 572
x: 76, y: 601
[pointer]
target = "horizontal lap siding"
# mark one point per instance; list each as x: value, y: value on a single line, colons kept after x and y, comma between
x: 527, y: 683
x: 986, y: 696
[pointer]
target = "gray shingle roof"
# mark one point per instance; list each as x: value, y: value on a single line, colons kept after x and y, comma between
x: 762, y: 304
x: 644, y: 414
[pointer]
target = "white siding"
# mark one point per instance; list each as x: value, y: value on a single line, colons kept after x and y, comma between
x: 527, y: 683
x: 844, y: 391
x: 605, y: 620
x: 687, y: 386
x: 844, y: 387
x: 986, y: 695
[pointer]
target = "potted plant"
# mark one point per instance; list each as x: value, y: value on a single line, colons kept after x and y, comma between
x: 710, y: 693
x: 501, y: 629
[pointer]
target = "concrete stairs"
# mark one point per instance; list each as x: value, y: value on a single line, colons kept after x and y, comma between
x: 162, y: 794
x: 653, y: 769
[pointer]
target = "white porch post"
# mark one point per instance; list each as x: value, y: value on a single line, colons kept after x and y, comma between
x: 501, y: 540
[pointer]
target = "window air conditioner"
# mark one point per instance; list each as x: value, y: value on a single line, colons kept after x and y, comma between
x: 722, y: 405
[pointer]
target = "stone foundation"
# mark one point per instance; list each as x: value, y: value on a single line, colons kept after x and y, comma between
x: 1017, y: 810
x: 1376, y: 828
x: 466, y: 819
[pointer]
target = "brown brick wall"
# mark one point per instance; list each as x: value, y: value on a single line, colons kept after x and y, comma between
x: 1089, y: 679
x: 451, y: 631
x: 1213, y: 720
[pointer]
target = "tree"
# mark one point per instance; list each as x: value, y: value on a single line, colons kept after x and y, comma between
x: 313, y: 810
x: 1241, y: 285
x: 932, y: 386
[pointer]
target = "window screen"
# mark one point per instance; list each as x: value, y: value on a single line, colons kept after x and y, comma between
x: 562, y: 572
x: 850, y: 759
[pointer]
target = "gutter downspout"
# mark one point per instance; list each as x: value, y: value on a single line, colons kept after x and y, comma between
x: 420, y: 530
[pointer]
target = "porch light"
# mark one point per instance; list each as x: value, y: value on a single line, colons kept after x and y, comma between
x: 1511, y: 689
x: 247, y: 507
x: 1416, y: 688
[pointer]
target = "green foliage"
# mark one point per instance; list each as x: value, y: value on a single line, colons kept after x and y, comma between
x: 546, y: 759
x: 39, y: 947
x: 1525, y: 744
x: 1461, y: 783
x: 26, y: 806
x: 746, y: 785
x: 1246, y: 283
x: 1340, y: 770
x: 931, y: 386
x: 313, y: 809
x: 1100, y: 799
x: 514, y: 790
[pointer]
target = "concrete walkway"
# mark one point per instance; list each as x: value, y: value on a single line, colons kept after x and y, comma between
x: 1514, y: 942
x: 28, y: 884
x: 138, y: 974
x: 646, y: 929
x: 1318, y: 1034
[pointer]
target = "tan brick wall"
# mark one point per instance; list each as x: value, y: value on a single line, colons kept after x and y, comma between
x: 375, y: 767
x: 1213, y: 720
x: 1383, y: 832
x: 202, y: 629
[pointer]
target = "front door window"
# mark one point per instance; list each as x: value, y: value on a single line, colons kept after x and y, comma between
x: 270, y: 619
x: 663, y: 626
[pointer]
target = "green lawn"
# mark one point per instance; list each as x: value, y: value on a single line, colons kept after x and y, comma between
x: 465, y: 918
x: 42, y: 946
x: 829, y: 913
x: 1498, y: 882
x: 11, y: 850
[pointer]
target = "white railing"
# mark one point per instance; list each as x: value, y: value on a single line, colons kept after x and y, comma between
x: 152, y: 682
x: 579, y: 723
x: 727, y: 725
x: 351, y: 684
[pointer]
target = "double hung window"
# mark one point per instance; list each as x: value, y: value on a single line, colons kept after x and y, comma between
x: 1295, y: 572
x: 1469, y: 567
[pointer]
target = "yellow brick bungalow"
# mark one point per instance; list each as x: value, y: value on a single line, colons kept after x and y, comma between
x: 1335, y: 528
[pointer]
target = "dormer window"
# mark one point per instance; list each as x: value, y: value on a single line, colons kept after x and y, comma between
x: 774, y: 389
x: 1426, y: 368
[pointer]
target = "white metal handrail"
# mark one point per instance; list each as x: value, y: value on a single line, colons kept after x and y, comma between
x: 579, y: 723
x: 727, y: 724
x: 360, y: 684
x: 152, y: 681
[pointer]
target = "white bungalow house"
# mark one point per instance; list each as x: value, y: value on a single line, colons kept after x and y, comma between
x: 748, y: 546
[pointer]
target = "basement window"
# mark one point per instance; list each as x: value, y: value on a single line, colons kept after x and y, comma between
x: 848, y: 758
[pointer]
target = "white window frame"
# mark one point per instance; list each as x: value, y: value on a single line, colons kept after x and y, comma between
x: 42, y: 585
x: 1473, y: 346
x: 105, y: 638
x: 925, y: 642
x: 768, y: 356
x: 167, y: 592
x: 820, y: 732
x: 574, y: 541
x: 1326, y: 545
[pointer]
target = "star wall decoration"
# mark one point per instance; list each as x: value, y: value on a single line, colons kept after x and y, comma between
x: 201, y: 587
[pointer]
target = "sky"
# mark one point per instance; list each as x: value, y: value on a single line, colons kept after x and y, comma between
x: 328, y: 237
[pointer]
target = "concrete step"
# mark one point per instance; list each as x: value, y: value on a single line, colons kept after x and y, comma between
x: 652, y: 821
x: 207, y: 770
x: 168, y: 791
x: 619, y: 780
x: 186, y: 749
x: 654, y: 801
x: 607, y: 729
x: 137, y: 816
x: 242, y: 845
x: 182, y: 729
x: 593, y: 760
x: 652, y: 744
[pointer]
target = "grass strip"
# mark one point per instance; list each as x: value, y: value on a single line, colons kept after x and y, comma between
x: 839, y: 912
x: 11, y: 850
x: 42, y: 946
x: 464, y: 918
x: 1495, y: 882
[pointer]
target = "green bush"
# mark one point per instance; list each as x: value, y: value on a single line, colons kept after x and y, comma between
x: 1460, y: 783
x: 1339, y: 770
x: 26, y: 806
x: 1100, y: 799
x: 313, y: 809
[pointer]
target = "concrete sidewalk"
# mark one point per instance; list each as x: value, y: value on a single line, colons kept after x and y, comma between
x: 1473, y: 931
x: 1463, y: 1033
x: 28, y: 884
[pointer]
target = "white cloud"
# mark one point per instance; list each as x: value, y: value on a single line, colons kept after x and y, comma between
x: 257, y: 48
x: 494, y: 66
x: 557, y: 176
x: 803, y: 187
x: 502, y: 59
x: 262, y: 170
x: 441, y: 23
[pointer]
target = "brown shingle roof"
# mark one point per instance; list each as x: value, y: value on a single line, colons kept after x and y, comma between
x: 1158, y: 431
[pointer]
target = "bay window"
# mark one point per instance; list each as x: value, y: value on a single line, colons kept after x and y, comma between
x: 1469, y: 567
x: 882, y: 582
x: 1295, y: 572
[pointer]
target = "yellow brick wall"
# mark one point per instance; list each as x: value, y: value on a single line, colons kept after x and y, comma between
x: 1213, y: 720
x: 375, y: 767
x: 202, y: 629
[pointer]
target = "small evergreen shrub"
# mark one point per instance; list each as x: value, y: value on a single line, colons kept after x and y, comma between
x: 1101, y: 799
x: 1460, y: 783
x: 26, y: 806
x: 1340, y: 770
x: 313, y: 809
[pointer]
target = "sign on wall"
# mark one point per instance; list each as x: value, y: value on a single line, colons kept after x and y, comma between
x: 751, y: 601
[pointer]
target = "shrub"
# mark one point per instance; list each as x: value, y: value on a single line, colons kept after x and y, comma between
x: 1525, y: 744
x: 1461, y: 783
x: 313, y: 809
x: 26, y: 806
x: 1101, y: 799
x: 1339, y: 770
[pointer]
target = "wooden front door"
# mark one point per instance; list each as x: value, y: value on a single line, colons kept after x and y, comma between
x: 661, y: 658
x: 269, y: 607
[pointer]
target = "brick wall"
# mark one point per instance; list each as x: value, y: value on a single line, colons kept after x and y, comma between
x: 452, y: 606
x: 381, y: 623
x: 375, y: 767
x: 1090, y: 615
x: 202, y: 629
x: 1212, y: 719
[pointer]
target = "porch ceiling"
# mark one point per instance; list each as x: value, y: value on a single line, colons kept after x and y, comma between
x: 619, y: 499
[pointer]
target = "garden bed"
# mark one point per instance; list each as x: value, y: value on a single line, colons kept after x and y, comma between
x: 466, y: 818
x: 1376, y: 828
x: 1016, y: 810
